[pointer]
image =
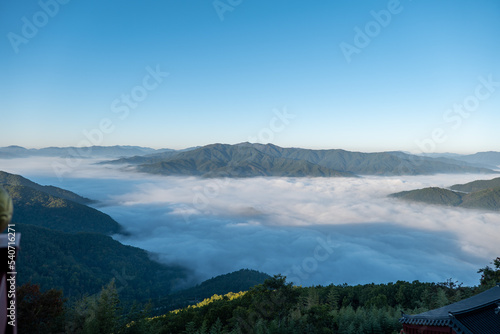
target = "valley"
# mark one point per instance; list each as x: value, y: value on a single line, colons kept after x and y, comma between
x: 177, y: 239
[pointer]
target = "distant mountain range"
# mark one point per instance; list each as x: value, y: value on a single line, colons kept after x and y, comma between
x: 86, y: 152
x: 249, y: 160
x: 489, y: 159
x: 484, y: 194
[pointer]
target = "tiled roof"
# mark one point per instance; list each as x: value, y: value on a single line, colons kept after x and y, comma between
x: 485, y: 320
x: 477, y: 314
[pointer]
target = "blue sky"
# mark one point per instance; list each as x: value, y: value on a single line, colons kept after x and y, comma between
x: 233, y: 65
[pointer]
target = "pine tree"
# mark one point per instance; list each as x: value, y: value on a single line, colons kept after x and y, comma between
x: 216, y: 327
x: 191, y: 328
x: 107, y: 309
x: 333, y: 299
x: 441, y: 299
x: 96, y: 313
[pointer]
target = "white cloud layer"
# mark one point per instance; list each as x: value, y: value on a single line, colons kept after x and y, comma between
x: 314, y: 230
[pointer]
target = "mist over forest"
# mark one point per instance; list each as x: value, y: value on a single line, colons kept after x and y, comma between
x: 313, y: 230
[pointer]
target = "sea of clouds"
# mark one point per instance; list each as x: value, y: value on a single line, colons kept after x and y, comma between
x: 313, y: 230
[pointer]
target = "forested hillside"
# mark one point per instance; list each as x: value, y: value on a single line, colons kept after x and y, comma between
x: 484, y: 194
x: 248, y: 160
x: 236, y: 161
x: 277, y: 306
x: 18, y: 180
x: 477, y: 185
x: 82, y: 263
x: 38, y: 208
x: 240, y: 280
x: 66, y: 245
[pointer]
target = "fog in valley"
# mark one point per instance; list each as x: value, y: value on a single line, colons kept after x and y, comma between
x: 313, y: 230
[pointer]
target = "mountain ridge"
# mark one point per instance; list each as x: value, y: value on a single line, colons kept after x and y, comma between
x: 42, y: 209
x: 18, y: 180
x: 488, y: 159
x: 485, y: 195
x: 115, y: 151
x: 247, y: 160
x: 217, y: 160
x: 477, y: 185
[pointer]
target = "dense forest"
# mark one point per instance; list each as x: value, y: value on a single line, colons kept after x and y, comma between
x: 81, y: 263
x: 275, y: 306
x: 39, y: 208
